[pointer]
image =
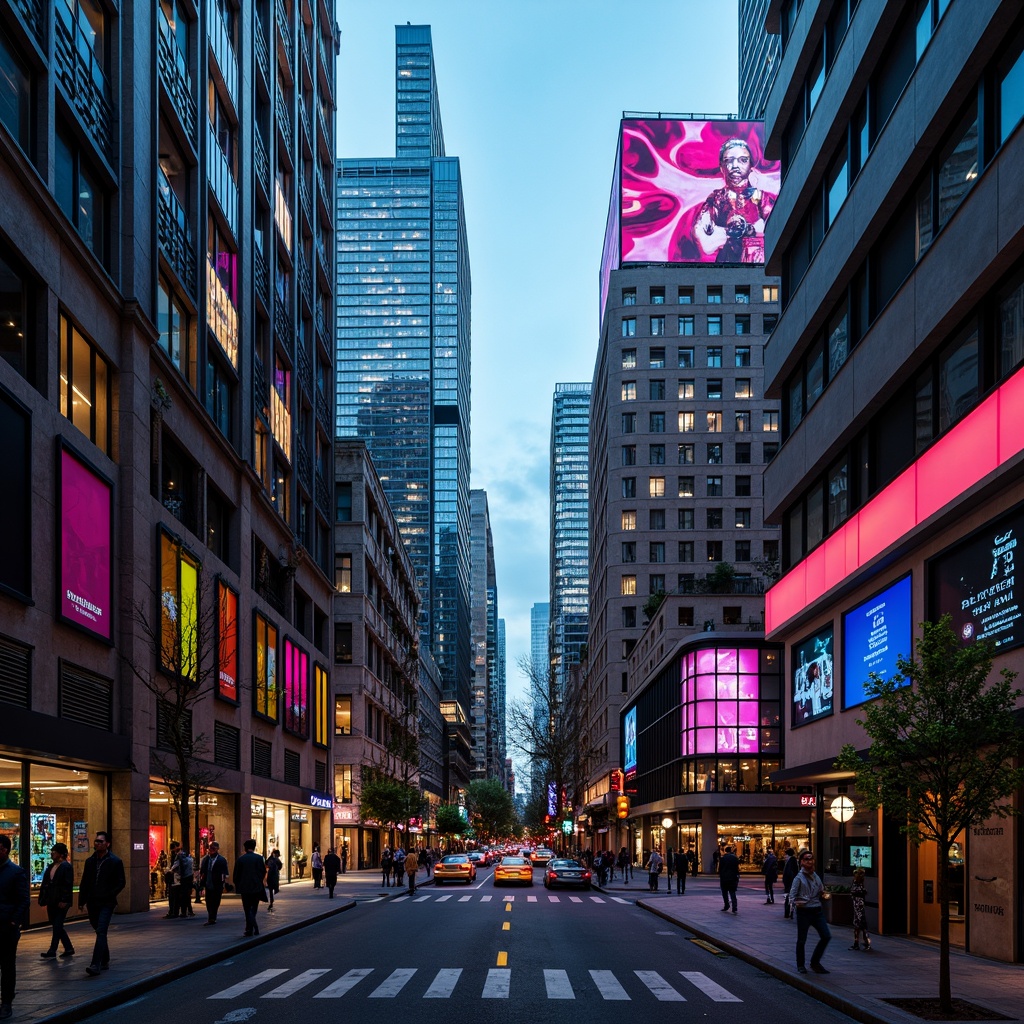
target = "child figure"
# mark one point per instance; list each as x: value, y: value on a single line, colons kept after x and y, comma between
x: 860, y: 922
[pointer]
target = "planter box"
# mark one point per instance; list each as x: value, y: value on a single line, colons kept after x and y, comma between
x: 839, y: 909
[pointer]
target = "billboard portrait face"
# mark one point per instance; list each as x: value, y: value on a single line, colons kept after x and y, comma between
x: 875, y: 634
x: 629, y: 761
x: 85, y: 548
x: 695, y: 191
x: 813, y: 676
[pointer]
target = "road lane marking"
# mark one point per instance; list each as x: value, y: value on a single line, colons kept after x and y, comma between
x: 596, y: 899
x: 465, y: 899
x: 419, y: 899
x: 710, y: 988
x: 249, y: 984
x: 506, y: 926
x: 486, y: 899
x: 444, y: 983
x: 497, y: 984
x: 531, y: 899
x: 659, y: 987
x: 509, y: 898
x: 575, y: 899
x: 619, y: 899
x: 508, y: 908
x: 502, y: 959
x: 347, y: 981
x: 557, y: 984
x: 399, y: 899
x: 553, y: 899
x: 393, y: 984
x: 442, y: 899
x: 293, y: 985
x: 608, y: 985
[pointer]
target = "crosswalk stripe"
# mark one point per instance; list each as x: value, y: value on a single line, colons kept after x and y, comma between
x: 497, y: 984
x: 347, y: 981
x: 659, y: 987
x: 249, y: 984
x: 608, y: 985
x: 444, y: 983
x: 558, y: 986
x: 419, y: 899
x: 575, y: 899
x: 710, y: 988
x: 393, y: 984
x: 553, y: 899
x: 531, y: 899
x: 293, y: 985
x: 465, y: 899
x: 596, y: 899
x: 442, y: 899
x: 399, y: 899
x: 486, y: 899
x: 619, y: 899
x: 509, y: 897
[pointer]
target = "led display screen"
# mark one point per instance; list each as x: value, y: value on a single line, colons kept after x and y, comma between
x: 976, y: 583
x: 179, y: 609
x: 227, y: 642
x: 695, y: 191
x: 629, y: 734
x: 265, y: 688
x: 812, y: 677
x: 85, y: 547
x: 296, y: 689
x: 861, y: 857
x: 875, y: 634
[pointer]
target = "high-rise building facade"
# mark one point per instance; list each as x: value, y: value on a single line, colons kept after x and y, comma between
x: 403, y: 355
x: 759, y: 58
x: 484, y: 601
x: 540, y: 668
x: 166, y: 253
x: 898, y: 360
x: 570, y: 540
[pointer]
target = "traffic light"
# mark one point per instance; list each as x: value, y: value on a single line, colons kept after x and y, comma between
x: 622, y: 806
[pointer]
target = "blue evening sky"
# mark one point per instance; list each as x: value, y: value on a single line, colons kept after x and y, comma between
x: 531, y: 93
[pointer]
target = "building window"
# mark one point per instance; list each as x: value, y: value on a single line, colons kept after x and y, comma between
x: 686, y: 455
x: 657, y: 551
x: 686, y: 390
x: 771, y: 550
x: 629, y: 616
x: 742, y: 355
x: 657, y: 357
x: 629, y: 454
x: 715, y: 551
x: 714, y: 487
x: 714, y: 419
x: 657, y: 326
x: 656, y: 519
x: 768, y: 451
x: 220, y: 388
x: 768, y: 322
x: 743, y: 551
x: 629, y: 391
x: 629, y: 551
x: 627, y: 586
x: 175, y: 331
x: 743, y: 421
x: 742, y: 323
x: 685, y: 296
x: 656, y: 423
x: 629, y: 296
x: 714, y: 454
x: 265, y: 682
x: 657, y: 296
x: 686, y: 519
x: 715, y: 326
x: 743, y: 388
x: 343, y: 643
x: 714, y: 388
x: 343, y: 574
x: 343, y: 503
x: 687, y: 422
x: 714, y: 295
x: 16, y: 300
x: 714, y: 519
x: 686, y: 360
x: 769, y: 293
x: 714, y: 356
x: 78, y: 193
x: 629, y: 358
x: 743, y: 453
x: 686, y: 327
x: 629, y: 422
x: 15, y: 95
x: 179, y: 610
x: 657, y: 391
x: 343, y: 716
x: 686, y: 489
x: 656, y: 583
x: 296, y: 690
x: 685, y: 614
x: 343, y: 783
x: 629, y: 486
x: 656, y: 487
x: 770, y: 421
x: 743, y: 295
x: 657, y: 455
x: 629, y: 327
x: 686, y: 551
x: 743, y: 486
x: 742, y: 518
x: 629, y: 519
x: 85, y: 385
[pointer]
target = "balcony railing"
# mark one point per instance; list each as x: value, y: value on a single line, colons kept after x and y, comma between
x: 32, y: 12
x: 285, y: 30
x: 223, y: 51
x: 321, y: 327
x: 281, y: 423
x: 303, y: 466
x: 284, y: 117
x: 221, y: 314
x: 262, y: 272
x: 174, y: 234
x: 325, y: 136
x: 83, y: 78
x: 260, y: 161
x: 283, y: 324
x: 262, y: 53
x: 712, y: 585
x: 305, y: 369
x: 325, y: 196
x: 259, y: 382
x: 305, y: 281
x: 174, y: 72
x: 282, y: 214
x: 222, y: 181
x: 322, y: 494
x: 304, y: 200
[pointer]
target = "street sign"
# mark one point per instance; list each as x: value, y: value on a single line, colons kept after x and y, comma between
x: 567, y: 827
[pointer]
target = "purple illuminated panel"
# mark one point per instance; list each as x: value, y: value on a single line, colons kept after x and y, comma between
x: 695, y: 191
x: 722, y: 710
x: 85, y: 547
x: 296, y: 689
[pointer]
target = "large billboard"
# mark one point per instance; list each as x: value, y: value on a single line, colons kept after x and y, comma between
x: 976, y: 583
x: 86, y: 547
x: 875, y: 634
x: 813, y: 675
x: 629, y: 757
x: 694, y: 191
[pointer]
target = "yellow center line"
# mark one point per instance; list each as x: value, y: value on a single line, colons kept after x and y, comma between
x: 502, y: 959
x: 507, y: 926
x: 508, y: 908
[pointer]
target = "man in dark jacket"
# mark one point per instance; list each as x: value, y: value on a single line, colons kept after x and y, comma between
x: 250, y: 871
x: 770, y: 870
x: 14, y: 900
x: 729, y: 877
x: 332, y: 868
x: 102, y: 880
x: 790, y: 867
x: 682, y: 865
x: 213, y: 873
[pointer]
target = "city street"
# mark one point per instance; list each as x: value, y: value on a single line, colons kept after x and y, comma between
x: 477, y: 945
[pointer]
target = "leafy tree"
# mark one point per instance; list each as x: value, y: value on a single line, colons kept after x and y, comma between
x: 652, y: 604
x: 387, y: 800
x: 942, y: 749
x: 450, y: 821
x: 490, y: 809
x: 534, y: 813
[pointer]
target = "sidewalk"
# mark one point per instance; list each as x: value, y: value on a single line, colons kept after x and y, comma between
x: 858, y: 982
x: 147, y: 950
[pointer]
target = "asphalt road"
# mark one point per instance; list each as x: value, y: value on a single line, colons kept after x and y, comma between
x: 482, y: 951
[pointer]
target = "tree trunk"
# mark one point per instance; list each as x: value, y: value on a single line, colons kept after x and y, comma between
x: 945, y: 993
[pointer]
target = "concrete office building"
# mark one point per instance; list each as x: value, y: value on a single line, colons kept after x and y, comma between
x: 899, y: 236
x: 758, y: 58
x: 484, y: 600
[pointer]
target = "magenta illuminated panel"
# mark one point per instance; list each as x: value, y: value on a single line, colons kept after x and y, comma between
x: 296, y: 689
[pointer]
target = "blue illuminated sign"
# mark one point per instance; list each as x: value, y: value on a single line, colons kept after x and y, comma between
x: 875, y: 634
x: 629, y: 732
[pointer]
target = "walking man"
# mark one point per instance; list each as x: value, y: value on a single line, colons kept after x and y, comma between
x: 213, y: 873
x: 250, y: 871
x: 173, y: 881
x: 654, y: 866
x: 14, y: 901
x: 332, y: 866
x: 805, y: 896
x: 770, y: 868
x: 412, y: 865
x: 790, y: 867
x: 729, y: 877
x: 102, y: 880
x: 682, y: 865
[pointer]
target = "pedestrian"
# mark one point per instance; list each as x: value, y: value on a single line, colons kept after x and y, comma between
x: 770, y: 870
x: 102, y: 880
x: 173, y: 887
x: 682, y: 866
x: 806, y: 895
x: 729, y: 877
x: 386, y: 864
x: 332, y: 865
x: 691, y: 859
x: 412, y: 865
x: 274, y: 868
x: 622, y: 860
x: 250, y: 871
x: 316, y: 863
x: 858, y: 892
x: 184, y: 874
x: 790, y: 867
x: 213, y: 876
x: 344, y: 857
x: 716, y: 858
x: 655, y: 865
x: 14, y: 902
x: 57, y: 893
x: 398, y: 869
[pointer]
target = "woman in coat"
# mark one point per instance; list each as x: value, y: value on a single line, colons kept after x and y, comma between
x: 274, y: 865
x: 56, y: 892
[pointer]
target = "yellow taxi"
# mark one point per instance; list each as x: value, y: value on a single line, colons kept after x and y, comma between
x: 514, y: 869
x: 456, y: 867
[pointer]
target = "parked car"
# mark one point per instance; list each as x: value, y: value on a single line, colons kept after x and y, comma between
x: 456, y: 867
x: 514, y: 869
x: 566, y: 872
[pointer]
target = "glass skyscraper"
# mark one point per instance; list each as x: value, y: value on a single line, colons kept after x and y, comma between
x: 403, y: 348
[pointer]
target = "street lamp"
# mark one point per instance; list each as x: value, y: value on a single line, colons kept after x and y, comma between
x: 666, y: 824
x: 842, y: 809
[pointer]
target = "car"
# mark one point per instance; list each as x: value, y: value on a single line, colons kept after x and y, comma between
x: 514, y: 869
x: 478, y: 857
x: 566, y: 872
x: 456, y: 867
x: 541, y: 856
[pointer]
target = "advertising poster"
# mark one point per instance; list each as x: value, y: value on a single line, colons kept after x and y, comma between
x: 296, y: 689
x: 227, y: 642
x: 85, y: 548
x: 976, y: 583
x: 695, y: 191
x: 43, y: 827
x: 875, y: 634
x: 812, y: 678
x: 629, y: 732
x: 80, y: 838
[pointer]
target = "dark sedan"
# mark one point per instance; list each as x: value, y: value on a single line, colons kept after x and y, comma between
x: 566, y: 872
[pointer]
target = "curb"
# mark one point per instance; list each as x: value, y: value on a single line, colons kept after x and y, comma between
x: 134, y: 989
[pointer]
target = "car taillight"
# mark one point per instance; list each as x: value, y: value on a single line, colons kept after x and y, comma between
x: 586, y: 874
x: 552, y: 874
